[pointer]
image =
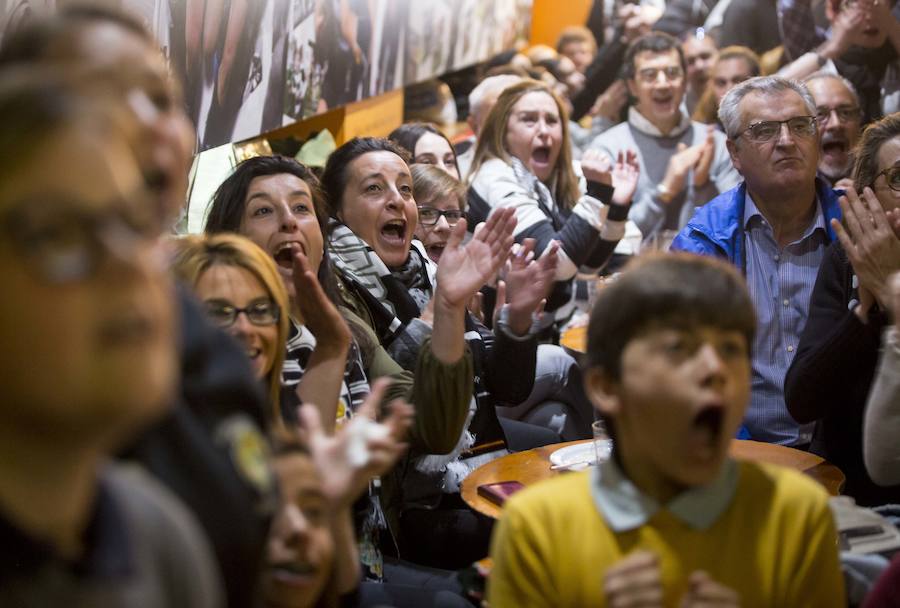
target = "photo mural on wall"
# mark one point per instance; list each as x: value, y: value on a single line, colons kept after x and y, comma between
x: 251, y: 66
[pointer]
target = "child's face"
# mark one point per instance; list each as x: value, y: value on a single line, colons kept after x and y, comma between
x: 301, y: 548
x: 680, y: 398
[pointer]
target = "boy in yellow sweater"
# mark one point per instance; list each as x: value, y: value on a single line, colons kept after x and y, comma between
x: 670, y: 520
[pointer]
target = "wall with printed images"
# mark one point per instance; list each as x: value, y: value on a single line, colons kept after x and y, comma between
x: 252, y: 66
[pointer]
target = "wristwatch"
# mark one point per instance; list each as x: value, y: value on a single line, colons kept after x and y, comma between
x: 664, y: 194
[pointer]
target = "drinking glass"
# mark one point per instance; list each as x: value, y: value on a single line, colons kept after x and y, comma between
x: 602, y: 441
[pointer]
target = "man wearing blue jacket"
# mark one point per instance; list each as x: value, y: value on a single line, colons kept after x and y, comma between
x: 774, y: 226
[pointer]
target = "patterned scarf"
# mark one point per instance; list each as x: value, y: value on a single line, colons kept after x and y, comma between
x: 394, y: 298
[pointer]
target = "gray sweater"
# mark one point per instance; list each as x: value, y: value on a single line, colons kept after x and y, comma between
x: 881, y: 431
x: 653, y: 152
x: 143, y: 549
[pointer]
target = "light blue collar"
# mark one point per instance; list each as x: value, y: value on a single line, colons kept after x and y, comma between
x: 751, y: 211
x: 625, y: 507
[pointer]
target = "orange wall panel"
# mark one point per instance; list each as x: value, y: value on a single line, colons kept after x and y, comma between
x: 549, y: 17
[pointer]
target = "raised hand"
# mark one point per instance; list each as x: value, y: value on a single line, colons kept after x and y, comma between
x: 634, y: 582
x: 869, y: 240
x: 680, y: 163
x: 527, y: 283
x: 704, y: 162
x: 359, y: 450
x: 625, y: 174
x: 463, y: 269
x: 596, y: 166
x: 317, y: 312
x: 704, y: 592
x: 610, y: 103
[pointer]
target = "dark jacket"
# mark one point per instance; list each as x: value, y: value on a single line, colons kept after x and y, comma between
x: 830, y: 376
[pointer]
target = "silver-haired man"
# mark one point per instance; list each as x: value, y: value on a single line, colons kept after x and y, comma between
x: 774, y: 226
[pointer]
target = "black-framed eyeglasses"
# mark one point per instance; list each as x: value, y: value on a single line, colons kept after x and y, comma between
x: 891, y: 178
x: 63, y: 243
x: 429, y: 216
x: 767, y: 130
x: 261, y: 312
x: 844, y: 114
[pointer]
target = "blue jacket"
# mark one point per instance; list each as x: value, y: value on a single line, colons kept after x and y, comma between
x: 717, y: 228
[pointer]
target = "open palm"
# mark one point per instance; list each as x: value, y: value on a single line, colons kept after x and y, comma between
x: 463, y: 269
x: 528, y: 282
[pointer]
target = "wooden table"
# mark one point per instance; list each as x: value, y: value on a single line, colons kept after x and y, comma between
x: 533, y: 466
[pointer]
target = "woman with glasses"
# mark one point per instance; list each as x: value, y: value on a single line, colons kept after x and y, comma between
x: 832, y: 373
x: 441, y: 201
x: 390, y: 281
x: 242, y: 293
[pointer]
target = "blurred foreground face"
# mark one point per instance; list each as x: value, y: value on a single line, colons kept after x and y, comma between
x: 167, y: 143
x: 678, y: 403
x: 301, y: 549
x: 88, y: 311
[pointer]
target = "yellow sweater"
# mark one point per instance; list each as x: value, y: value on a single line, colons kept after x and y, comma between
x: 775, y: 544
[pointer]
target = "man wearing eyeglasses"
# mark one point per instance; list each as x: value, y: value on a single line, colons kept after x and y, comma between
x: 683, y: 163
x: 775, y: 227
x: 840, y: 123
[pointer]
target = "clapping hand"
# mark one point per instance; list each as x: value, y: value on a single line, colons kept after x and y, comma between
x: 870, y: 241
x: 319, y: 314
x: 704, y: 592
x: 634, y: 582
x: 704, y: 162
x: 625, y: 174
x: 345, y: 474
x: 463, y: 269
x: 526, y: 285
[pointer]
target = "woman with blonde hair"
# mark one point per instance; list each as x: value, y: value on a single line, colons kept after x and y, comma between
x: 524, y: 161
x: 242, y: 292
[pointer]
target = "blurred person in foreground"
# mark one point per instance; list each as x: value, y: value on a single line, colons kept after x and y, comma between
x: 219, y: 408
x: 670, y: 519
x: 92, y: 319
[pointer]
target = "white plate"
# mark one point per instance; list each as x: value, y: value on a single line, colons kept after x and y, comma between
x: 573, y: 454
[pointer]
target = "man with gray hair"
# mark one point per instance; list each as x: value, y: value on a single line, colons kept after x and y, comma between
x: 774, y: 226
x: 481, y: 100
x: 840, y: 124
